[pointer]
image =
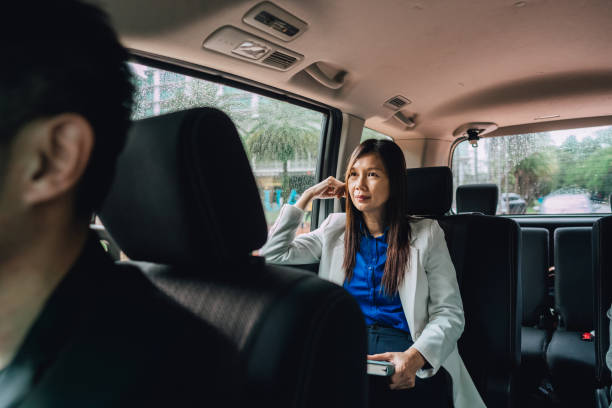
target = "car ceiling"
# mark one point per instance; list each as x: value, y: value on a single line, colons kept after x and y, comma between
x: 507, y: 62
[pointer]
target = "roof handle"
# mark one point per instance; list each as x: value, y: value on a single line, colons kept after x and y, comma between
x: 336, y: 82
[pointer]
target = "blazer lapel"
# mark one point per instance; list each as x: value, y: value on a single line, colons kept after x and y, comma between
x: 337, y: 271
x: 408, y: 289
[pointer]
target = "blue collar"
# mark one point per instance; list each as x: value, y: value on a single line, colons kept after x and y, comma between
x: 366, y: 233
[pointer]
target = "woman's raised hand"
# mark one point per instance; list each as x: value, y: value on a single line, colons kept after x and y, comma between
x: 328, y: 188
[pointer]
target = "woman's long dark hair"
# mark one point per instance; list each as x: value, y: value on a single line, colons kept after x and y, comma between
x: 398, y: 235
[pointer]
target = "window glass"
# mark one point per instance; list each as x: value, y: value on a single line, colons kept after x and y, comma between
x: 560, y: 172
x: 107, y: 243
x: 281, y: 139
x: 372, y: 134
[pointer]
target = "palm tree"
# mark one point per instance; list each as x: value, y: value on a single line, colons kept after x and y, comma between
x: 534, y: 175
x: 283, y: 132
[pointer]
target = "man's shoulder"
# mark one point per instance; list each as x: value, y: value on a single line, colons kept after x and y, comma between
x: 136, y: 346
x: 144, y: 313
x: 180, y: 350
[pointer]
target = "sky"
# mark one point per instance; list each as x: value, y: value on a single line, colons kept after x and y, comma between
x: 559, y: 136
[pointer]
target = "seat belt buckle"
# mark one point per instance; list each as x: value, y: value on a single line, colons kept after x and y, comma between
x: 588, y: 336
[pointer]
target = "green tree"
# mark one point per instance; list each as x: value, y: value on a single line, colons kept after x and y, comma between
x: 533, y: 176
x: 283, y: 132
x: 604, y: 137
x: 570, y: 164
x: 178, y: 92
x: 575, y: 161
x: 508, y: 165
x: 598, y: 172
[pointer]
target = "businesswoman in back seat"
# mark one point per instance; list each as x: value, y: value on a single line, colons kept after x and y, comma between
x: 399, y: 270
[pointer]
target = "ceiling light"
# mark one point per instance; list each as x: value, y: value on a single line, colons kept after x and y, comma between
x: 546, y: 117
x: 251, y: 49
x: 519, y: 4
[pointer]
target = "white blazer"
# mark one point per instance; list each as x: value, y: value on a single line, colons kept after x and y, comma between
x: 429, y: 293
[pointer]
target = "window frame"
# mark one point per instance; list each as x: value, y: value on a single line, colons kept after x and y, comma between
x: 331, y: 128
x: 452, y: 150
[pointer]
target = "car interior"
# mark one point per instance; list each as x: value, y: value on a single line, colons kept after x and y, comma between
x: 503, y: 110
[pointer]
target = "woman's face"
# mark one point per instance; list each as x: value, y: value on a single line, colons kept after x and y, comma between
x: 368, y: 184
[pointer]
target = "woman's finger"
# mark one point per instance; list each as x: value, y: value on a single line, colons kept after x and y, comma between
x: 323, y: 191
x: 380, y: 357
x: 331, y: 192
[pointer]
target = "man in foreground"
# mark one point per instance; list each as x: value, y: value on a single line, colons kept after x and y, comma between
x: 76, y: 329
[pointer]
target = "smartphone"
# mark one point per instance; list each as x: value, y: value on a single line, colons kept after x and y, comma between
x: 382, y: 368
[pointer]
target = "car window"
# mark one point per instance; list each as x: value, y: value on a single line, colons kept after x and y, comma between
x: 372, y: 134
x: 282, y: 140
x: 559, y: 172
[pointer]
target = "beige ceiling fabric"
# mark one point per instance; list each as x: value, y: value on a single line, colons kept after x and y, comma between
x: 462, y: 61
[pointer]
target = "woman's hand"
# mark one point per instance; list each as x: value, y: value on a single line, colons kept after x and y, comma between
x: 328, y: 188
x: 406, y: 365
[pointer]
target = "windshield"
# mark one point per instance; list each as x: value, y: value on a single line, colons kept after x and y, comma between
x: 560, y: 172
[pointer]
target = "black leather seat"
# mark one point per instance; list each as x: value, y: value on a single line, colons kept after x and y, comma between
x: 602, y: 273
x: 485, y: 251
x: 477, y: 198
x: 534, y: 338
x: 571, y: 360
x: 482, y: 198
x: 186, y: 207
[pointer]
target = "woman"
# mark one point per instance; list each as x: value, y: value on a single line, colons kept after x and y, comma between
x: 399, y: 270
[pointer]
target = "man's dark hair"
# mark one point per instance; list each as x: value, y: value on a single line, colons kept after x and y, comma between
x: 63, y: 56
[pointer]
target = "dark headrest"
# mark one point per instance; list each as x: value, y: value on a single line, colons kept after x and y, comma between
x: 184, y: 192
x: 430, y: 190
x: 574, y: 278
x: 477, y: 198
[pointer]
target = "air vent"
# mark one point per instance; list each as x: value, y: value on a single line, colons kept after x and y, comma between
x: 397, y: 102
x: 239, y: 44
x: 279, y: 60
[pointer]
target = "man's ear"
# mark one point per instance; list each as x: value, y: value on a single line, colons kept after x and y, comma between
x: 58, y: 152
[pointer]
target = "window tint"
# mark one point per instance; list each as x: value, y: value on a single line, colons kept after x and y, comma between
x: 107, y: 245
x: 372, y: 134
x: 282, y: 140
x: 560, y: 172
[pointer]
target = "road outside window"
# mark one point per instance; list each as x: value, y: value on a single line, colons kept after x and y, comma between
x: 560, y: 172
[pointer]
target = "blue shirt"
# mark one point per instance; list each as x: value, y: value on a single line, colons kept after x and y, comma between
x: 366, y: 284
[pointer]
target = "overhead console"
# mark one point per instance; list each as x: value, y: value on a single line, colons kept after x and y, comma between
x: 275, y: 21
x: 267, y: 18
